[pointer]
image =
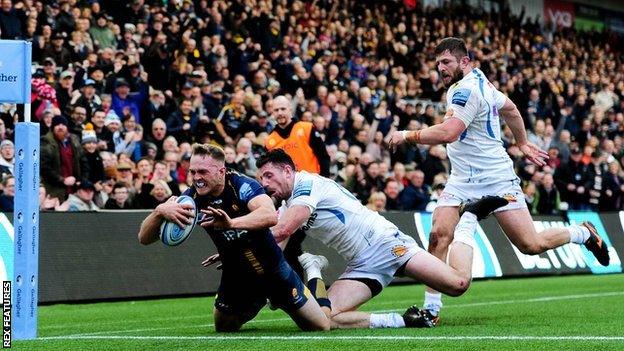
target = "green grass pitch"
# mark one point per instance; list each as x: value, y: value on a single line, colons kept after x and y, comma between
x: 550, y: 313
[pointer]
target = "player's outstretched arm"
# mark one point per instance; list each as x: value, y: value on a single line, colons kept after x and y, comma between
x: 443, y: 133
x: 291, y: 220
x: 171, y: 211
x: 513, y: 118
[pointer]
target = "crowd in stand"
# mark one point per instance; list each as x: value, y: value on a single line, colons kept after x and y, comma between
x: 122, y: 89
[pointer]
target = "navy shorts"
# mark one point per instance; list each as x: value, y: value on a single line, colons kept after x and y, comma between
x: 244, y: 295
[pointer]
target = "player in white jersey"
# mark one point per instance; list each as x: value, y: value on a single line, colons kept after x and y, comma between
x: 374, y: 248
x: 480, y: 165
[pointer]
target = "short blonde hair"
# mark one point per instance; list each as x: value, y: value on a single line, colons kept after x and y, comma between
x: 210, y: 150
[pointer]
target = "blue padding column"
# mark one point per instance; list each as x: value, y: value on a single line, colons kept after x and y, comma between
x: 26, y: 224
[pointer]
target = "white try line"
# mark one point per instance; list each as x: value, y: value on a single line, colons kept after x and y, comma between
x: 375, y: 303
x: 341, y: 337
x: 475, y: 304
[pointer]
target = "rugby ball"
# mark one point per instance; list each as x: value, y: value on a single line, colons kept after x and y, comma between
x: 172, y: 234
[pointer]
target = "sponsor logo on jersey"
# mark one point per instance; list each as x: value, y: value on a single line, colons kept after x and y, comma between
x: 303, y: 189
x: 460, y: 97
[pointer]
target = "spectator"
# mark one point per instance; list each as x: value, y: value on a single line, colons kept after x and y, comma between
x: 7, y: 157
x: 612, y: 197
x: 416, y: 195
x: 391, y: 190
x: 87, y: 98
x: 77, y: 119
x: 172, y: 160
x: 7, y: 198
x: 546, y: 200
x: 182, y: 124
x: 596, y: 171
x: 126, y: 102
x: 102, y: 35
x: 377, y: 201
x: 298, y: 139
x: 60, y: 159
x: 91, y: 163
x: 11, y: 20
x: 157, y: 137
x: 245, y: 158
x: 574, y: 178
x: 82, y: 200
x: 64, y: 90
x: 119, y: 199
x: 47, y: 203
x: 231, y: 119
x: 57, y: 51
x: 158, y: 193
x: 124, y: 173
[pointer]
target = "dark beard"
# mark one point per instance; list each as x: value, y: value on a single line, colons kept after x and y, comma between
x: 457, y: 76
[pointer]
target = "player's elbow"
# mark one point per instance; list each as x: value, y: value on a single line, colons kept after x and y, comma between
x: 144, y: 239
x: 450, y: 137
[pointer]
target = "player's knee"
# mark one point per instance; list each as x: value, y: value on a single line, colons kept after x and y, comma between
x: 460, y: 287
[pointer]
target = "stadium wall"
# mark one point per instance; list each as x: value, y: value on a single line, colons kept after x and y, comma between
x: 91, y: 256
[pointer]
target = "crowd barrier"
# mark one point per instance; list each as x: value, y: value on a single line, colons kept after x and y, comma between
x: 94, y: 256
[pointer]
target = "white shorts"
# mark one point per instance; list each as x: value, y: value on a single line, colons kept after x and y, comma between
x: 455, y: 193
x: 381, y: 260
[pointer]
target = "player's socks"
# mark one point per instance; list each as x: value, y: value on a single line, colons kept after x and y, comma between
x: 317, y: 287
x: 312, y: 265
x: 386, y: 320
x: 464, y: 231
x: 578, y: 234
x: 433, y: 302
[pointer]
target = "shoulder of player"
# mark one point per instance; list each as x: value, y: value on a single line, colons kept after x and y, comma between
x: 237, y: 178
x: 304, y: 182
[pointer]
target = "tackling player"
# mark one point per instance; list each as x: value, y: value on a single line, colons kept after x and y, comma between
x: 374, y: 248
x: 238, y: 214
x: 481, y: 166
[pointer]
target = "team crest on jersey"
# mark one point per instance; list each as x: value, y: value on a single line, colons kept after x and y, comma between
x: 295, y: 293
x: 272, y: 143
x: 399, y: 250
x: 460, y: 97
x: 510, y: 197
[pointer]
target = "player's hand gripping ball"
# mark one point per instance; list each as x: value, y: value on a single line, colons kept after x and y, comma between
x: 172, y: 234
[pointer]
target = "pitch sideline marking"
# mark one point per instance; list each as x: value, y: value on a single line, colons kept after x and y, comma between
x: 339, y: 337
x: 500, y: 302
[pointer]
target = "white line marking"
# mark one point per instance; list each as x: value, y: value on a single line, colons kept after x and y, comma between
x: 474, y: 304
x: 340, y: 337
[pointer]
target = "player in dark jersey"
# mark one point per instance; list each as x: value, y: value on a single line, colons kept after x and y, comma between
x: 237, y: 214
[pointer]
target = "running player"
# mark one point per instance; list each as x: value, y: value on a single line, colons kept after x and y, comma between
x: 481, y: 166
x: 374, y: 248
x: 238, y: 215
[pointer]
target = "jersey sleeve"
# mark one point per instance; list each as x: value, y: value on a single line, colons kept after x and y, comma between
x: 500, y: 99
x: 465, y: 104
x: 306, y: 193
x: 248, y: 188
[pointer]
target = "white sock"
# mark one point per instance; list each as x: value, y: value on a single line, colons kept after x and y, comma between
x: 464, y: 231
x: 433, y: 302
x: 578, y: 234
x: 313, y: 272
x: 386, y: 320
